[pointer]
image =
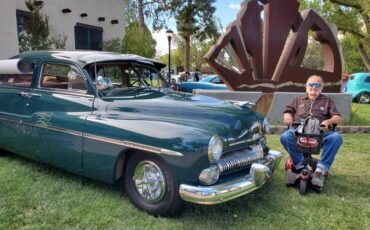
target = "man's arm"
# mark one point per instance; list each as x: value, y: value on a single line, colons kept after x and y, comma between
x: 289, y: 112
x: 288, y: 119
x: 334, y: 119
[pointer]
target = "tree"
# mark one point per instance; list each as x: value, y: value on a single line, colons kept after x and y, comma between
x: 353, y: 59
x: 314, y: 58
x: 177, y: 59
x: 352, y: 17
x: 198, y: 50
x: 137, y: 40
x: 38, y: 34
x: 113, y: 45
x: 147, y: 12
x: 194, y: 18
x: 57, y: 40
x: 37, y: 29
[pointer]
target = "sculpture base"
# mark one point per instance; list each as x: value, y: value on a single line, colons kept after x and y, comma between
x: 272, y: 105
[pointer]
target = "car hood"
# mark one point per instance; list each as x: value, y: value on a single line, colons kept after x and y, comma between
x: 209, y: 115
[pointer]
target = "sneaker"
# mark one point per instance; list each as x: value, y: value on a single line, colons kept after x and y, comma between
x: 318, y: 179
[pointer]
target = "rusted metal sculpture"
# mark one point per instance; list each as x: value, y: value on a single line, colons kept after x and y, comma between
x: 249, y: 60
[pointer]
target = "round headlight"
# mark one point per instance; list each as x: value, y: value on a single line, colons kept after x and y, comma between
x: 215, y: 147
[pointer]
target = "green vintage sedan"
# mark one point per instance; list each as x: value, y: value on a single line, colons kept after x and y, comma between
x: 109, y: 116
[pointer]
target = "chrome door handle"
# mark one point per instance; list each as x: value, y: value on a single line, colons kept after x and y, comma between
x: 35, y: 95
x: 24, y: 94
x: 29, y: 95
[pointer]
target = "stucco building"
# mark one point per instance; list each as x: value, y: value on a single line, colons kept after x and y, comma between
x: 86, y: 23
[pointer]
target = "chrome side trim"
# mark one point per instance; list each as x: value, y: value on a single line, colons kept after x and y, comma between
x: 43, y: 126
x: 229, y: 190
x: 10, y: 120
x: 123, y: 143
x: 56, y: 129
x: 134, y: 145
x: 64, y: 91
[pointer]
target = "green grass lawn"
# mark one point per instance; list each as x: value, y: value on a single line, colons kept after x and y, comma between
x: 360, y: 114
x: 36, y: 196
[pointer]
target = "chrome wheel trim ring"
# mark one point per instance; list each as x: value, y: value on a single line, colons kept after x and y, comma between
x: 149, y: 181
x: 364, y: 98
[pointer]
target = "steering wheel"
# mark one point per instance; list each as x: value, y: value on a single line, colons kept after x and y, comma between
x: 136, y: 83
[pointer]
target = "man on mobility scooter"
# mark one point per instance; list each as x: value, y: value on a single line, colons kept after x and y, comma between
x: 308, y: 108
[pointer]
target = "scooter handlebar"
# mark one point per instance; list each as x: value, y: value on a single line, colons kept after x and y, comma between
x: 332, y: 126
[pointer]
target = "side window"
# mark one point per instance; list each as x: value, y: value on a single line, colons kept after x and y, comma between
x: 65, y: 77
x: 143, y: 77
x: 19, y: 80
x: 134, y: 77
x: 367, y: 79
x: 113, y: 73
x: 216, y: 80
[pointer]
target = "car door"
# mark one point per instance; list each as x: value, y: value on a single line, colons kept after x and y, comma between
x: 58, y: 110
x: 367, y: 84
x: 15, y: 93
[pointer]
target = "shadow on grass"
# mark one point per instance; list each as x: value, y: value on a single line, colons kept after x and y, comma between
x: 271, y: 206
x: 56, y: 173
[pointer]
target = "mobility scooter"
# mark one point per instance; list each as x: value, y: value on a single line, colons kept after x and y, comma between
x: 309, y: 136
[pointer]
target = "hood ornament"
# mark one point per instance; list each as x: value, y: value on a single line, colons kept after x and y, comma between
x: 241, y: 103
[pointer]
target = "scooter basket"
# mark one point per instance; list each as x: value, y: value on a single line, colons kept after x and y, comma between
x: 308, y: 143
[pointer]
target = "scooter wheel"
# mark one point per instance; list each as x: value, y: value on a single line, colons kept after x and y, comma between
x: 302, y: 187
x: 288, y: 163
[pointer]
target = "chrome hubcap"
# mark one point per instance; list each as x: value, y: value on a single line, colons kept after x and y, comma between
x: 149, y: 181
x: 364, y: 98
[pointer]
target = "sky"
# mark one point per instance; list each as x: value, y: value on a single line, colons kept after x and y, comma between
x: 226, y: 11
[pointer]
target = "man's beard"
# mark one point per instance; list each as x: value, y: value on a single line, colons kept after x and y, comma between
x: 315, y: 93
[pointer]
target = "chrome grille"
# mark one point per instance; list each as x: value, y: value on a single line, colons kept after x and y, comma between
x: 237, y: 159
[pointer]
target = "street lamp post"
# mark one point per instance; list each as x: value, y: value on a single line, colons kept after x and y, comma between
x: 169, y: 34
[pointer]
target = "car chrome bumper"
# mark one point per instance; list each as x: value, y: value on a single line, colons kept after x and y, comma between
x: 220, y: 193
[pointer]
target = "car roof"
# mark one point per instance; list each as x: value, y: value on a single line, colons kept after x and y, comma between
x: 358, y: 76
x: 361, y: 74
x: 87, y: 57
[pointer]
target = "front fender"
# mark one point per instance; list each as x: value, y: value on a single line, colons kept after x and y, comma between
x: 358, y: 92
x: 183, y: 147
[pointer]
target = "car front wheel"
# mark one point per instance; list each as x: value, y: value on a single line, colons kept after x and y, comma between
x: 363, y: 98
x: 151, y: 186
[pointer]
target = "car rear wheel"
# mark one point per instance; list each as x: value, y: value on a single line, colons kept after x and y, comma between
x: 363, y: 98
x: 151, y: 186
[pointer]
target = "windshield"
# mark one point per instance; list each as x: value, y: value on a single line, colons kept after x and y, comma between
x: 207, y: 79
x: 111, y: 79
x: 212, y: 79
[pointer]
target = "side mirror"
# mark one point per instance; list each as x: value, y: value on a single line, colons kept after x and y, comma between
x: 100, y: 83
x: 103, y: 83
x: 72, y: 75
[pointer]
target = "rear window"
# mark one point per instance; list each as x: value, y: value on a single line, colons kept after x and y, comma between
x: 18, y: 80
x: 62, y: 77
x: 352, y: 78
x: 367, y: 79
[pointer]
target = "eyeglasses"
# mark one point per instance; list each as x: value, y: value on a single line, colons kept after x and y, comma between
x: 314, y: 85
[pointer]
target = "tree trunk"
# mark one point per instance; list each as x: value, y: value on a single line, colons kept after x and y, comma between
x: 364, y: 56
x: 187, y: 52
x: 141, y: 13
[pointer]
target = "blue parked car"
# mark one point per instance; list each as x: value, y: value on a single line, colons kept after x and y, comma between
x: 210, y: 82
x: 359, y: 86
